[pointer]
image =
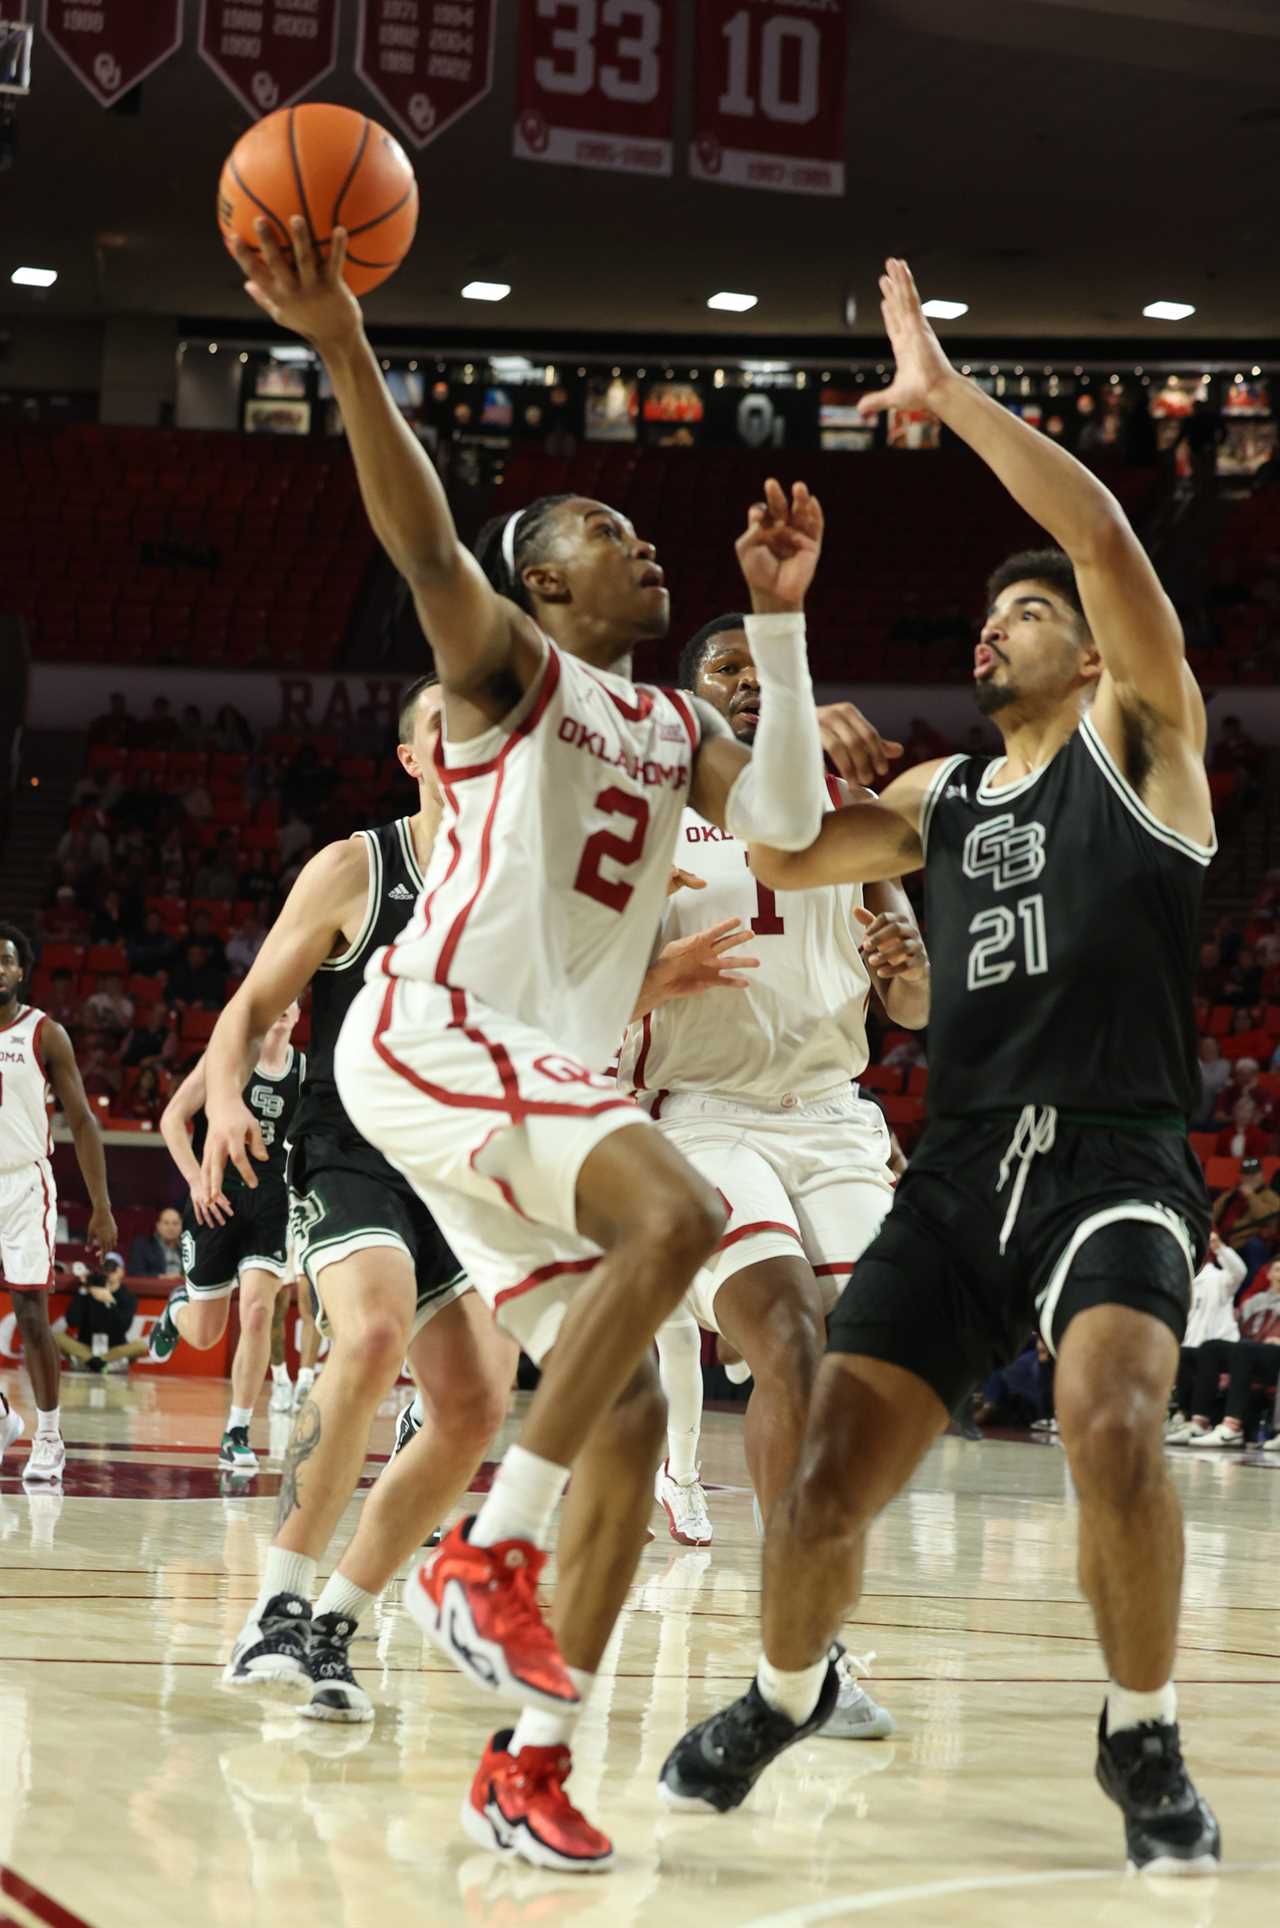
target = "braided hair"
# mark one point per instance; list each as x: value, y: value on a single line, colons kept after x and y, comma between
x: 525, y: 544
x: 691, y: 656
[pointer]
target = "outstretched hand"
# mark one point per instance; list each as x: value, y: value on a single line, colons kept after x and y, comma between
x: 304, y: 292
x: 709, y: 960
x: 921, y: 363
x: 778, y: 551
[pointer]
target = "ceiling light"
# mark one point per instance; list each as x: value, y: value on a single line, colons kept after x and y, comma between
x: 945, y: 310
x: 34, y: 277
x: 213, y: 347
x: 735, y: 304
x: 486, y: 291
x: 1168, y: 310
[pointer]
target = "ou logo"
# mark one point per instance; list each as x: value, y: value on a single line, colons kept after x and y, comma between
x: 422, y: 113
x: 563, y: 1071
x: 106, y: 71
x: 533, y: 129
x: 1007, y: 852
x: 265, y: 90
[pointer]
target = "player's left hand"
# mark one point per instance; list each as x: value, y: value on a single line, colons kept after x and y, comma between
x: 854, y: 745
x: 921, y: 364
x: 892, y: 946
x: 101, y: 1235
x: 709, y: 960
x: 778, y: 551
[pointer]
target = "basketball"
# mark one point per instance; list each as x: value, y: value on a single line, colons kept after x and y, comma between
x: 334, y: 167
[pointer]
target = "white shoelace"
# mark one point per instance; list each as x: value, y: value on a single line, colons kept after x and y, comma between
x: 1033, y: 1135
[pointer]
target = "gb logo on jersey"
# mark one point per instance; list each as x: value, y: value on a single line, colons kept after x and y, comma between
x: 1007, y: 852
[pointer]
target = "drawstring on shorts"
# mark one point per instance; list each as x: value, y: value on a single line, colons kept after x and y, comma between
x: 1033, y: 1135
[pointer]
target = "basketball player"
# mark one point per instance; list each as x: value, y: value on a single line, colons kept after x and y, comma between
x: 240, y: 1239
x: 1055, y: 1178
x: 470, y: 1058
x: 388, y: 1284
x: 36, y: 1053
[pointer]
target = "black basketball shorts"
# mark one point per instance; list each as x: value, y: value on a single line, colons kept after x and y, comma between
x: 344, y: 1199
x: 1106, y: 1217
x: 255, y: 1238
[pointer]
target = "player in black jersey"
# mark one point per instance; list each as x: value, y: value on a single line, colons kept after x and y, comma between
x: 1054, y: 1183
x: 239, y: 1239
x: 387, y: 1284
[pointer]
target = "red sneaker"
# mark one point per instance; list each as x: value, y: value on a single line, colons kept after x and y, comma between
x: 479, y: 1604
x: 517, y: 1805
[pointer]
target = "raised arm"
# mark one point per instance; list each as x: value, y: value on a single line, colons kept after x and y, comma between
x: 63, y: 1073
x: 869, y: 840
x: 481, y: 641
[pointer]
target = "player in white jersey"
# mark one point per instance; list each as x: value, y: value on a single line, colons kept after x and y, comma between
x: 36, y: 1053
x: 474, y: 1057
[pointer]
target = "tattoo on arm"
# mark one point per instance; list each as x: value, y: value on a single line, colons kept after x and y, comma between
x: 302, y: 1443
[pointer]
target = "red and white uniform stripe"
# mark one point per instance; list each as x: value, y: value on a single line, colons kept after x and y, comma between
x: 28, y: 1201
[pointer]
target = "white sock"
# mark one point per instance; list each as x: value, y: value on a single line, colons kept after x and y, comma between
x: 680, y: 1369
x: 1127, y: 1709
x: 280, y: 1373
x: 418, y: 1410
x: 239, y: 1416
x: 340, y: 1595
x: 793, y: 1694
x: 526, y: 1490
x: 49, y: 1425
x: 286, y: 1572
x: 738, y: 1373
x: 306, y: 1377
x: 536, y: 1729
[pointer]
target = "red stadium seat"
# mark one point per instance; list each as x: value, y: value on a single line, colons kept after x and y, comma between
x: 62, y: 957
x: 1202, y: 1144
x: 108, y: 957
x: 197, y: 1026
x: 882, y: 1077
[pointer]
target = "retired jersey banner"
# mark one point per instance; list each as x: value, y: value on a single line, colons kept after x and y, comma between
x: 113, y: 44
x: 597, y: 83
x: 428, y: 61
x: 269, y: 52
x: 769, y: 95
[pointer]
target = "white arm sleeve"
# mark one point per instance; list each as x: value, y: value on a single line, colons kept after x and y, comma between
x: 779, y: 797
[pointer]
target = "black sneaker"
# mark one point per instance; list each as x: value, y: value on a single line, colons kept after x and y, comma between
x: 1168, y: 1827
x: 336, y: 1694
x: 718, y: 1762
x: 272, y: 1644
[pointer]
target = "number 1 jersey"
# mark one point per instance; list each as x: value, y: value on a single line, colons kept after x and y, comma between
x: 550, y: 868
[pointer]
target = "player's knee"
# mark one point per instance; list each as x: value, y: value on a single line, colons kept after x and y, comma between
x: 371, y: 1345
x: 1114, y: 1449
x: 680, y: 1227
x: 787, y: 1347
x: 255, y: 1317
x: 635, y: 1427
x: 31, y: 1311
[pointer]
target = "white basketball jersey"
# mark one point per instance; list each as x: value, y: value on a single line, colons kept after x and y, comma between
x: 801, y: 1026
x: 549, y: 872
x: 24, y: 1106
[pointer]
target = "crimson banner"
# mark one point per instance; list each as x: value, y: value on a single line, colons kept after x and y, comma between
x: 113, y: 44
x: 596, y: 83
x: 428, y: 61
x: 269, y: 52
x: 769, y: 95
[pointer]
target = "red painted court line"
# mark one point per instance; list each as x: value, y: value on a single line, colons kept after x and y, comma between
x: 36, y: 1901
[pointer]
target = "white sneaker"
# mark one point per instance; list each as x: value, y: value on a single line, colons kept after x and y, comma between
x: 1272, y: 1445
x: 1185, y: 1435
x: 302, y: 1390
x: 1220, y: 1436
x: 281, y: 1400
x: 1174, y: 1424
x: 12, y: 1425
x: 46, y: 1459
x: 685, y: 1508
x: 856, y: 1717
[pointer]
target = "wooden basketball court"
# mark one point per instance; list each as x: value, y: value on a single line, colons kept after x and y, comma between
x: 134, y: 1790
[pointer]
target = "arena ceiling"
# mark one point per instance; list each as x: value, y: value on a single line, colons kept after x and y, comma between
x: 1055, y: 163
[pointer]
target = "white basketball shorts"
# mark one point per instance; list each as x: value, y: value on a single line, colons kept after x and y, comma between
x: 28, y: 1223
x: 806, y: 1180
x: 491, y: 1123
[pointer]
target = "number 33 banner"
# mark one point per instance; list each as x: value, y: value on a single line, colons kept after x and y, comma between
x: 769, y: 103
x: 596, y: 83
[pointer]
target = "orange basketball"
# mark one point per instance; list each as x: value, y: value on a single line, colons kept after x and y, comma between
x: 336, y: 168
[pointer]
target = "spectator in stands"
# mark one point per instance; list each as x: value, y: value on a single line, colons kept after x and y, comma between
x: 108, y: 1010
x: 1245, y: 1018
x: 231, y: 732
x: 257, y: 883
x: 198, y: 802
x: 216, y: 876
x: 114, y: 726
x: 1230, y: 937
x: 148, y: 1098
x: 1018, y: 1395
x: 63, y: 1003
x: 191, y: 732
x: 99, y: 1067
x: 1243, y: 982
x: 1267, y: 947
x: 923, y: 742
x: 153, y: 1042
x: 293, y: 835
x: 307, y: 785
x: 151, y: 951
x: 1252, y: 1364
x: 85, y: 849
x: 107, y: 925
x: 196, y: 979
x: 1248, y: 1216
x: 1243, y: 1137
x: 907, y: 1053
x: 1212, y: 1316
x: 144, y: 804
x: 1214, y: 1074
x: 156, y: 732
x: 203, y: 933
x: 1244, y: 1084
x: 246, y: 941
x: 158, y: 1254
x: 104, y: 1307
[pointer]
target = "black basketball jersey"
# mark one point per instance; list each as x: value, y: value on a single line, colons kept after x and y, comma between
x: 274, y: 1104
x: 395, y: 880
x: 1063, y: 923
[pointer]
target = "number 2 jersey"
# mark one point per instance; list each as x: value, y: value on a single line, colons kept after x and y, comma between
x: 1063, y: 922
x: 549, y: 872
x: 799, y: 1029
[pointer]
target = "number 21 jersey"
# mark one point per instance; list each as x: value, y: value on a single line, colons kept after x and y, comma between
x: 1063, y: 921
x: 550, y: 868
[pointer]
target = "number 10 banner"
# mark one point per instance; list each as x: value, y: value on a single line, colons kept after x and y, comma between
x: 596, y: 83
x: 769, y: 98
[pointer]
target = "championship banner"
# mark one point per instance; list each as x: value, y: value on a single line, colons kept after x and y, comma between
x: 769, y: 95
x: 113, y: 44
x: 597, y: 83
x: 428, y: 61
x: 269, y: 52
